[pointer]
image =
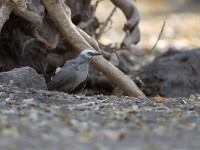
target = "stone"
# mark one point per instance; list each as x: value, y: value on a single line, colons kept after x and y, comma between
x: 24, y: 78
x: 173, y: 74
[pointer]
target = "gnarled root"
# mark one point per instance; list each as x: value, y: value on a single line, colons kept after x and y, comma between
x: 131, y: 26
x: 69, y: 31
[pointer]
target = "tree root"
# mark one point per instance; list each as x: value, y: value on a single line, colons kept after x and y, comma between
x: 5, y: 10
x: 131, y: 26
x: 63, y: 21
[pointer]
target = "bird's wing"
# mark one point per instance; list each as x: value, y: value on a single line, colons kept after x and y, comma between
x: 70, y: 63
x: 64, y: 77
x: 79, y: 88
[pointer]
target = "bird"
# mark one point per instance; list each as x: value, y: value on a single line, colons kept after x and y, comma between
x: 72, y: 77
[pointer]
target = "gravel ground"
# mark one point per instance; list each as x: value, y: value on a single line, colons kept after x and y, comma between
x: 38, y: 119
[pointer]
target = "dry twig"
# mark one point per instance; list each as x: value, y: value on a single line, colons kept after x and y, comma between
x: 105, y: 24
x: 161, y: 32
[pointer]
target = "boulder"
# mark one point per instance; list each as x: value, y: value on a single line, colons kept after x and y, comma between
x: 173, y: 74
x: 24, y: 78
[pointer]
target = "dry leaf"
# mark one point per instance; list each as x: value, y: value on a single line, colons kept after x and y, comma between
x: 65, y: 118
x: 129, y: 116
x: 159, y: 99
x: 192, y: 97
x: 10, y: 131
x: 114, y: 135
x: 177, y: 110
x: 29, y: 101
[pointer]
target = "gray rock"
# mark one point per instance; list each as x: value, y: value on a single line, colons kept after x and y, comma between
x: 173, y: 74
x: 24, y: 77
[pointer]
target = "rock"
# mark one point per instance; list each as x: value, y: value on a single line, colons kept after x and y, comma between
x: 24, y: 77
x: 173, y: 74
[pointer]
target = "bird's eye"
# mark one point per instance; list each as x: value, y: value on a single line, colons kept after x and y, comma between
x: 90, y: 53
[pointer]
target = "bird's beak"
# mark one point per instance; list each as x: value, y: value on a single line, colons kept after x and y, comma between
x: 95, y: 54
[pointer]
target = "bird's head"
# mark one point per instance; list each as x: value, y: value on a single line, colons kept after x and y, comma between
x: 89, y: 54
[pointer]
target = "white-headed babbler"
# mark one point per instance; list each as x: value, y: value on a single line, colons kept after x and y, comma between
x: 72, y: 77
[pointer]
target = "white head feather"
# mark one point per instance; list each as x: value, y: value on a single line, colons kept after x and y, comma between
x: 89, y: 53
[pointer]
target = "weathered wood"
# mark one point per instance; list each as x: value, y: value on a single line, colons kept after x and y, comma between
x: 5, y: 10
